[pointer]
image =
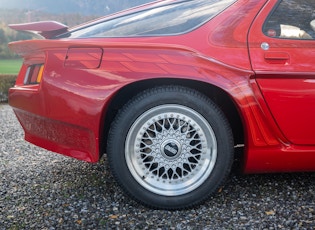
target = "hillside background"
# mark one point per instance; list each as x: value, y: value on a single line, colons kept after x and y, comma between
x: 69, y: 12
x: 86, y: 7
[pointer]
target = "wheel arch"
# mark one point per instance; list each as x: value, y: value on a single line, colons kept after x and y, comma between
x: 216, y: 94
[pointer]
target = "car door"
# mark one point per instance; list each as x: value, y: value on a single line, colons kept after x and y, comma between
x: 282, y: 52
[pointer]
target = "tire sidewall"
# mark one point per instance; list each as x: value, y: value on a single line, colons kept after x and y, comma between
x: 149, y: 100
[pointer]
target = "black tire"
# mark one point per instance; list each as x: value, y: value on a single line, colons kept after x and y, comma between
x: 170, y: 148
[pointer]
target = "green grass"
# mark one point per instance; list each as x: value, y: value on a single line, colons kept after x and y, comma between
x: 10, y: 66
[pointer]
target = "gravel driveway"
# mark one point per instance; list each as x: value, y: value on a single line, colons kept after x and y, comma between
x: 43, y: 190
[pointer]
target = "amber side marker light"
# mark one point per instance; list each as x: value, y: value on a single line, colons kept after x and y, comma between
x: 34, y: 74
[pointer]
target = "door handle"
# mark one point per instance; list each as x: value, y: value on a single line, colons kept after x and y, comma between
x: 277, y: 57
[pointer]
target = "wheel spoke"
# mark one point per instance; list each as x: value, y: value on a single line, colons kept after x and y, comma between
x: 171, y: 140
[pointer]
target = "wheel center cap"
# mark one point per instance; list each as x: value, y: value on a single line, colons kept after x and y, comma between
x: 170, y: 149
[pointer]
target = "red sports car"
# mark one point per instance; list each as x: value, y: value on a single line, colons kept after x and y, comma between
x: 169, y: 90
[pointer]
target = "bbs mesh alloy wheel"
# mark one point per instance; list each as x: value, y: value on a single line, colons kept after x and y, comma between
x: 170, y: 147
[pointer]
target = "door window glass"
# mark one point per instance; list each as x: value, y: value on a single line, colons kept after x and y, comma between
x: 292, y: 19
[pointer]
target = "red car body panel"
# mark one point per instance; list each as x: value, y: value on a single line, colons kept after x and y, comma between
x: 285, y: 74
x: 66, y: 112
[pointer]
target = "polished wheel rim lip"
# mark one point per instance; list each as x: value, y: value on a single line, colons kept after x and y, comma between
x: 171, y: 150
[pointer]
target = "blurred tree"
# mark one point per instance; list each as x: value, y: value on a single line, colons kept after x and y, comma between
x: 3, y: 37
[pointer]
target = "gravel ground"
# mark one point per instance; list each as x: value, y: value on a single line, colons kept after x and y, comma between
x: 43, y: 190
